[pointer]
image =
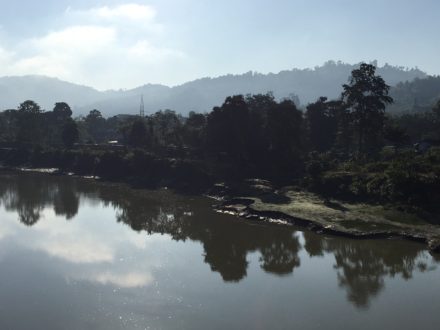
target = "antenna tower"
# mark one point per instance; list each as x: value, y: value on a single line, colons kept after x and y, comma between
x: 141, y: 108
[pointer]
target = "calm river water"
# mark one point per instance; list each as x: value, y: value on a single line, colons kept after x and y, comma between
x: 75, y: 254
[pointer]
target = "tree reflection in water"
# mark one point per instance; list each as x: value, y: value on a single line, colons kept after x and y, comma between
x: 28, y: 195
x: 226, y: 243
x: 361, y: 266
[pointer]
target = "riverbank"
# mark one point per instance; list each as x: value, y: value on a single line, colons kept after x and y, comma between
x: 331, y: 216
x: 252, y: 199
x: 138, y: 168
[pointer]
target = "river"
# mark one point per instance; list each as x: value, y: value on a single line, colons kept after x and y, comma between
x: 76, y: 254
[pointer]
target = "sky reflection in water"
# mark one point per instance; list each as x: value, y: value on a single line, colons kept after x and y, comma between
x: 76, y: 254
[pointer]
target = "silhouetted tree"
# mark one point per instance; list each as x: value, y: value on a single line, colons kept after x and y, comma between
x: 29, y: 130
x: 29, y: 107
x: 436, y: 109
x: 259, y: 106
x: 419, y: 126
x: 137, y: 136
x: 166, y: 128
x: 436, y: 121
x: 228, y: 127
x: 321, y: 125
x: 53, y: 123
x: 8, y: 126
x: 114, y: 127
x: 367, y: 96
x: 284, y: 128
x: 96, y: 126
x: 62, y: 111
x: 70, y: 133
x: 396, y: 135
x: 344, y: 126
x: 194, y: 130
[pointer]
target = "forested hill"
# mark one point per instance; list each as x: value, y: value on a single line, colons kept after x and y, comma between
x: 303, y: 85
x: 45, y: 91
x: 418, y: 95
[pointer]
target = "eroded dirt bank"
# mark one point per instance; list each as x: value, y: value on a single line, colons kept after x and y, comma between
x: 260, y: 202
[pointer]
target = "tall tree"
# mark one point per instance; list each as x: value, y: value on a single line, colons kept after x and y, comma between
x: 62, y: 110
x: 29, y: 123
x: 54, y: 122
x: 436, y: 120
x: 344, y: 130
x: 29, y: 107
x: 137, y: 136
x: 96, y: 126
x: 70, y: 133
x: 436, y: 109
x: 259, y: 106
x: 167, y: 127
x: 8, y: 126
x: 194, y: 130
x: 228, y: 127
x: 367, y: 96
x: 284, y: 128
x: 321, y: 125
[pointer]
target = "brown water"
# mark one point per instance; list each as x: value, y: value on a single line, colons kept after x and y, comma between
x: 75, y: 254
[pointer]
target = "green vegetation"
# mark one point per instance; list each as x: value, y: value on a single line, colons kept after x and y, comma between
x: 406, y: 178
x: 348, y: 148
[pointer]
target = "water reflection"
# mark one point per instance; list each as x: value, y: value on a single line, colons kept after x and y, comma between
x: 28, y: 195
x: 226, y: 244
x: 361, y: 267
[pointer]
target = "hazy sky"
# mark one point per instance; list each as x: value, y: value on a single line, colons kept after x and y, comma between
x: 123, y: 44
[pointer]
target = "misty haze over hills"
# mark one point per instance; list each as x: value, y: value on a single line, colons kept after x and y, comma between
x: 198, y: 95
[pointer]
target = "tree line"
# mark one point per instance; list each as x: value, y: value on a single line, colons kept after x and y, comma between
x: 258, y: 134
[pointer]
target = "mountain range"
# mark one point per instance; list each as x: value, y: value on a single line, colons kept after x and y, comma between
x: 302, y: 85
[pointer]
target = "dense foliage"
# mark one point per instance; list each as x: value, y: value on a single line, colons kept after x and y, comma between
x: 348, y: 146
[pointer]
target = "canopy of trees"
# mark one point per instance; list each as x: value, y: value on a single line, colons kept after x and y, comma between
x: 257, y: 135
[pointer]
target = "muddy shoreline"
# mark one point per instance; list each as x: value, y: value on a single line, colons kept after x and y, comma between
x: 260, y: 202
x: 280, y: 218
x: 333, y: 217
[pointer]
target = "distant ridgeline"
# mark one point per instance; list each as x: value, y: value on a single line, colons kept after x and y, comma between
x: 414, y: 89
